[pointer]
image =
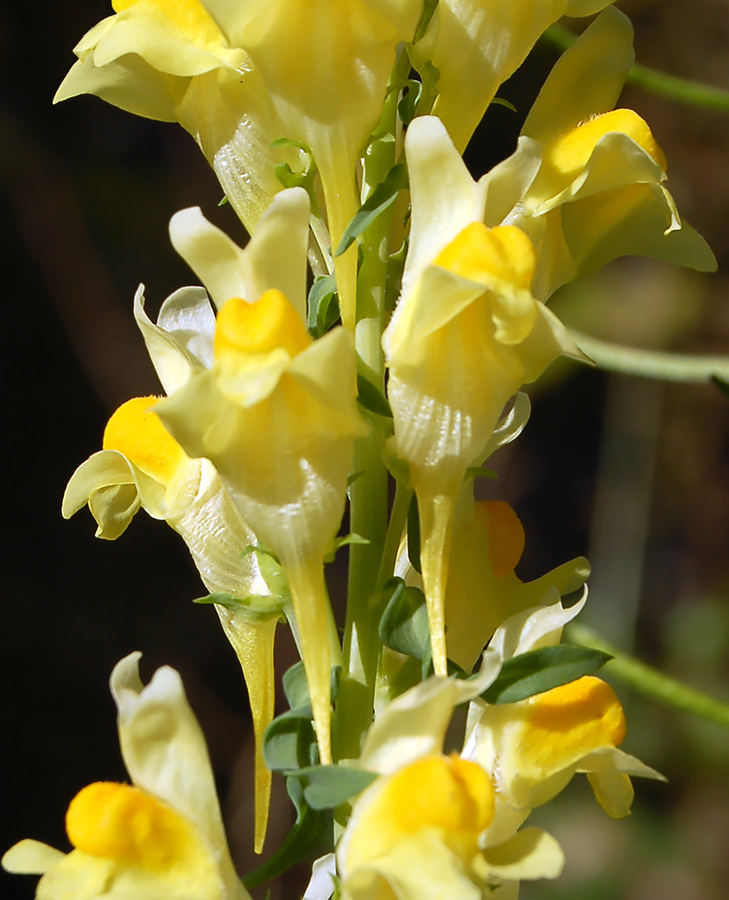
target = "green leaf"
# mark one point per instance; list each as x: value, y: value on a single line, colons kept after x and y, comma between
x: 721, y: 383
x: 326, y: 787
x: 425, y: 16
x: 310, y: 835
x: 381, y: 198
x: 479, y: 472
x: 408, y: 104
x: 257, y: 607
x: 404, y: 624
x: 345, y: 541
x: 414, y: 534
x: 541, y: 670
x: 499, y: 101
x: 322, y: 306
x: 296, y: 687
x: 372, y: 398
x: 289, y: 742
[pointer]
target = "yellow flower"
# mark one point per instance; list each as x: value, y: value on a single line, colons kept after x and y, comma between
x: 465, y: 336
x: 141, y: 465
x: 483, y: 589
x: 276, y: 413
x: 161, y: 838
x: 239, y: 76
x: 587, y: 183
x: 170, y: 61
x: 533, y: 748
x: 422, y: 823
x: 477, y: 44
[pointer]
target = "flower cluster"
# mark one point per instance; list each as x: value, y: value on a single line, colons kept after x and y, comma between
x: 336, y: 129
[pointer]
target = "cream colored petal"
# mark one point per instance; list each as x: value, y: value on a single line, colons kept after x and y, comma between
x: 163, y: 746
x: 129, y: 83
x: 535, y: 628
x: 182, y: 339
x: 322, y: 881
x: 444, y: 197
x: 217, y: 260
x: 414, y: 724
x: 103, y: 469
x: 530, y: 854
x: 586, y: 80
x: 479, y: 44
x: 159, y: 44
x: 630, y: 222
x: 29, y: 857
x: 275, y: 257
x: 509, y: 181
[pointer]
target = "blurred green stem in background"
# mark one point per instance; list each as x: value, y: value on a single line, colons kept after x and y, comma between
x: 646, y: 680
x: 653, y: 363
x: 682, y: 90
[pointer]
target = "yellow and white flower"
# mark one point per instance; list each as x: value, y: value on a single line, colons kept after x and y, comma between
x: 418, y: 829
x: 466, y: 334
x: 534, y: 747
x: 587, y: 183
x: 240, y: 76
x: 160, y: 838
x: 142, y: 465
x: 276, y: 412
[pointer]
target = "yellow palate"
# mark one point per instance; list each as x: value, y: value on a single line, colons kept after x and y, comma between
x: 450, y: 794
x: 121, y: 822
x: 268, y: 324
x: 190, y: 16
x: 136, y: 432
x: 479, y: 253
x: 584, y: 715
x: 571, y: 152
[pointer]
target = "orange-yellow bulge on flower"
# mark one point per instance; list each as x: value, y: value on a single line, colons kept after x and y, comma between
x: 123, y: 823
x: 451, y: 795
x: 571, y: 152
x: 268, y: 324
x: 189, y: 16
x: 568, y: 722
x: 136, y: 431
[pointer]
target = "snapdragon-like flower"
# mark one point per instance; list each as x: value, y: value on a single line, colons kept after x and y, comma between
x: 160, y: 838
x: 483, y: 589
x: 477, y: 44
x: 142, y: 465
x: 466, y: 334
x: 534, y: 747
x: 275, y: 413
x: 169, y: 60
x: 422, y: 823
x: 239, y: 76
x: 587, y: 183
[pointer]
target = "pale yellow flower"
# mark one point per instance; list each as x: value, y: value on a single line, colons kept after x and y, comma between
x: 276, y: 413
x: 142, y: 466
x: 466, y: 334
x: 239, y: 76
x: 418, y: 829
x: 161, y: 838
x: 477, y: 44
x: 534, y: 747
x: 587, y: 184
x: 483, y: 590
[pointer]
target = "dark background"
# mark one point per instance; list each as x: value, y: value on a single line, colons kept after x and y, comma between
x: 634, y: 474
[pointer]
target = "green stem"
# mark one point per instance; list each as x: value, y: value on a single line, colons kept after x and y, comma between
x: 650, y: 682
x: 653, y: 363
x: 682, y: 90
x: 398, y: 518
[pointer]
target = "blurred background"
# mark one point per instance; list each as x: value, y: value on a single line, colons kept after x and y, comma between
x: 632, y: 473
